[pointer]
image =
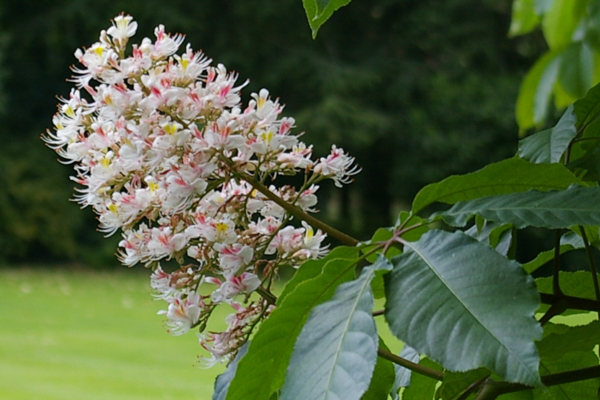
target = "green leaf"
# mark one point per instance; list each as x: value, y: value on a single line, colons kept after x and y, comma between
x: 542, y: 6
x: 535, y: 92
x: 508, y: 176
x: 545, y: 257
x: 312, y: 268
x: 321, y: 5
x: 383, y: 378
x: 272, y: 346
x: 456, y: 383
x: 524, y: 18
x: 549, y: 146
x: 576, y: 69
x: 403, y: 375
x: 336, y: 351
x: 497, y: 236
x: 568, y: 339
x: 422, y: 387
x: 582, y: 390
x: 319, y: 11
x: 587, y: 109
x: 569, y: 241
x: 222, y: 382
x: 561, y: 20
x: 522, y: 395
x: 586, y: 163
x: 578, y: 205
x: 578, y: 284
x: 464, y: 305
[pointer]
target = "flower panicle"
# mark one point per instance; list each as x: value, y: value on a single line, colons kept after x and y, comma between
x: 165, y: 153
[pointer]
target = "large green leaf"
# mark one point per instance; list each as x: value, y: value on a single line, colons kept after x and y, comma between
x: 497, y: 236
x: 507, y: 176
x: 535, y: 92
x: 383, y: 378
x: 312, y: 268
x: 336, y: 351
x: 587, y: 109
x: 422, y: 387
x: 524, y: 18
x: 222, y: 382
x: 578, y: 205
x: 319, y: 11
x: 272, y: 346
x: 577, y: 284
x: 549, y: 146
x: 565, y: 339
x: 561, y: 20
x: 576, y: 69
x: 464, y: 305
x: 404, y: 375
x: 582, y: 390
x: 456, y: 383
x: 546, y: 256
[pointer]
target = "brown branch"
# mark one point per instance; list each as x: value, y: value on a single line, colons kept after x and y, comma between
x: 298, y: 213
x: 571, y: 302
x: 420, y: 369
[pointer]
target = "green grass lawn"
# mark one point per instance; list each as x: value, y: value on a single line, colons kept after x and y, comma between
x: 85, y: 335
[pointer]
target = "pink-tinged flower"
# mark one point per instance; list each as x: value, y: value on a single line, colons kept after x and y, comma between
x: 286, y: 241
x: 182, y: 314
x: 160, y: 150
x: 311, y: 244
x: 234, y: 285
x: 212, y: 230
x: 160, y: 282
x: 337, y: 166
x: 164, y: 243
x: 308, y: 199
x: 233, y: 258
x: 299, y: 157
x: 165, y: 45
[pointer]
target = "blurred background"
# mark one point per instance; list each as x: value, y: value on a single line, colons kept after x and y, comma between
x: 415, y: 90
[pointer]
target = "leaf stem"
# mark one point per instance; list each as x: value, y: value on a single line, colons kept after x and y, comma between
x: 473, y: 387
x: 431, y: 373
x: 266, y: 294
x: 377, y: 313
x: 555, y: 275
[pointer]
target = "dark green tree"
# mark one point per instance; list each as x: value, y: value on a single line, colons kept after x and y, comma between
x: 382, y: 75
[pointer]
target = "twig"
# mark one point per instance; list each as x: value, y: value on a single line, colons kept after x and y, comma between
x: 298, y: 213
x: 555, y: 275
x: 420, y: 369
x: 577, y: 303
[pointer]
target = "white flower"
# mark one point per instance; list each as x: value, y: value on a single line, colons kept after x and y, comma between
x: 162, y: 150
x: 182, y: 314
x: 123, y: 27
x: 337, y: 166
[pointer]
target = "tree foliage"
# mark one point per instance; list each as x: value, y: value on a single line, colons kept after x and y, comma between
x: 369, y: 93
x: 475, y: 321
x: 570, y: 65
x: 458, y: 298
